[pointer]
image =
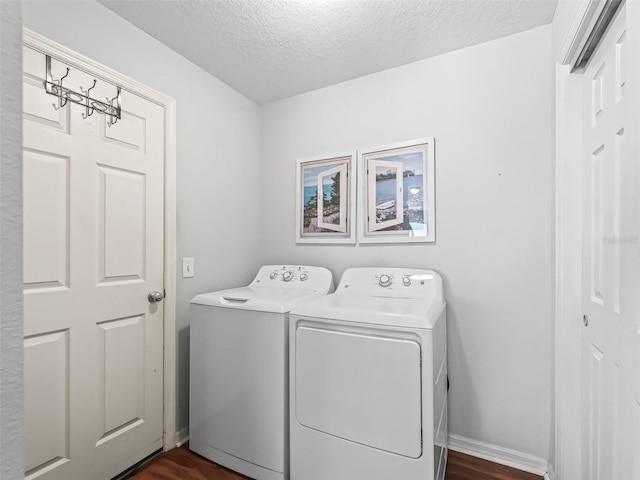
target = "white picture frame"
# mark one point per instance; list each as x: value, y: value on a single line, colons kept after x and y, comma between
x: 396, y: 190
x: 334, y: 176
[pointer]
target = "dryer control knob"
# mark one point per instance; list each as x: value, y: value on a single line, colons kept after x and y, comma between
x: 303, y: 277
x: 385, y: 280
x: 273, y: 275
x: 406, y: 281
x: 287, y: 276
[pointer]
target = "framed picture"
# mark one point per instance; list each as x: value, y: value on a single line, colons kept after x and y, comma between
x: 397, y: 193
x: 325, y: 199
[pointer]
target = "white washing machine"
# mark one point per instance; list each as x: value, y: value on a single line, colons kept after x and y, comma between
x: 239, y: 407
x: 368, y: 379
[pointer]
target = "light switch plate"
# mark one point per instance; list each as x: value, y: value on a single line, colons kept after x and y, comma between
x: 187, y: 267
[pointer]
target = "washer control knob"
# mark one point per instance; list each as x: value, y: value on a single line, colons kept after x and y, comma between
x: 385, y: 280
x: 287, y: 276
x: 273, y: 275
x: 303, y: 277
x: 406, y: 281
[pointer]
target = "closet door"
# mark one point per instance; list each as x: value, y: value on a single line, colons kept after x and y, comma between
x: 610, y: 277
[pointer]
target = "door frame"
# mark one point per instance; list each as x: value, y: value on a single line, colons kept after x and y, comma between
x: 73, y: 59
x: 568, y: 232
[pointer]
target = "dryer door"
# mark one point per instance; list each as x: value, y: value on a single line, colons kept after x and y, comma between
x: 359, y: 387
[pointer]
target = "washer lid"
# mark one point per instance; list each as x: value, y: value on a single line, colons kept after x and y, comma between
x: 262, y: 299
x: 390, y: 311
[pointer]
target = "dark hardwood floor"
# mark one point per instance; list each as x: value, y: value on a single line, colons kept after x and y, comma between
x: 466, y: 467
x: 182, y: 464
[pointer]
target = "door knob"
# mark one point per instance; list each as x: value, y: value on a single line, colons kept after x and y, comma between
x: 155, y: 296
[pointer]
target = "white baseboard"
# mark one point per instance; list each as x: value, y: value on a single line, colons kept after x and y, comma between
x: 503, y: 456
x: 182, y: 436
x: 551, y: 474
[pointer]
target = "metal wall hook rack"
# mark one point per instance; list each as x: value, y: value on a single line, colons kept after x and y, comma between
x: 110, y: 107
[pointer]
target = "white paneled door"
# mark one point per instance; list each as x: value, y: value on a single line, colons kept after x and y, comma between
x: 611, y: 283
x: 93, y: 250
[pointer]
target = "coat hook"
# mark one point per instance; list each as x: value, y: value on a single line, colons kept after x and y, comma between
x: 92, y: 87
x: 56, y: 85
x: 116, y: 107
x: 88, y: 110
x: 110, y: 122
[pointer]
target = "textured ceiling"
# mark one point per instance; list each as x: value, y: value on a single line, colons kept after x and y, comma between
x: 272, y: 49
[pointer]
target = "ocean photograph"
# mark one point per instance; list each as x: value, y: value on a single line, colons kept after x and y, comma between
x: 412, y: 208
x: 330, y: 198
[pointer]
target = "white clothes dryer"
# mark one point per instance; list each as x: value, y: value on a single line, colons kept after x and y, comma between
x: 368, y: 379
x: 239, y: 407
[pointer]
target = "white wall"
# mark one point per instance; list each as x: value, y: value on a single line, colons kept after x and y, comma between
x: 11, y: 391
x: 490, y: 109
x: 217, y: 152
